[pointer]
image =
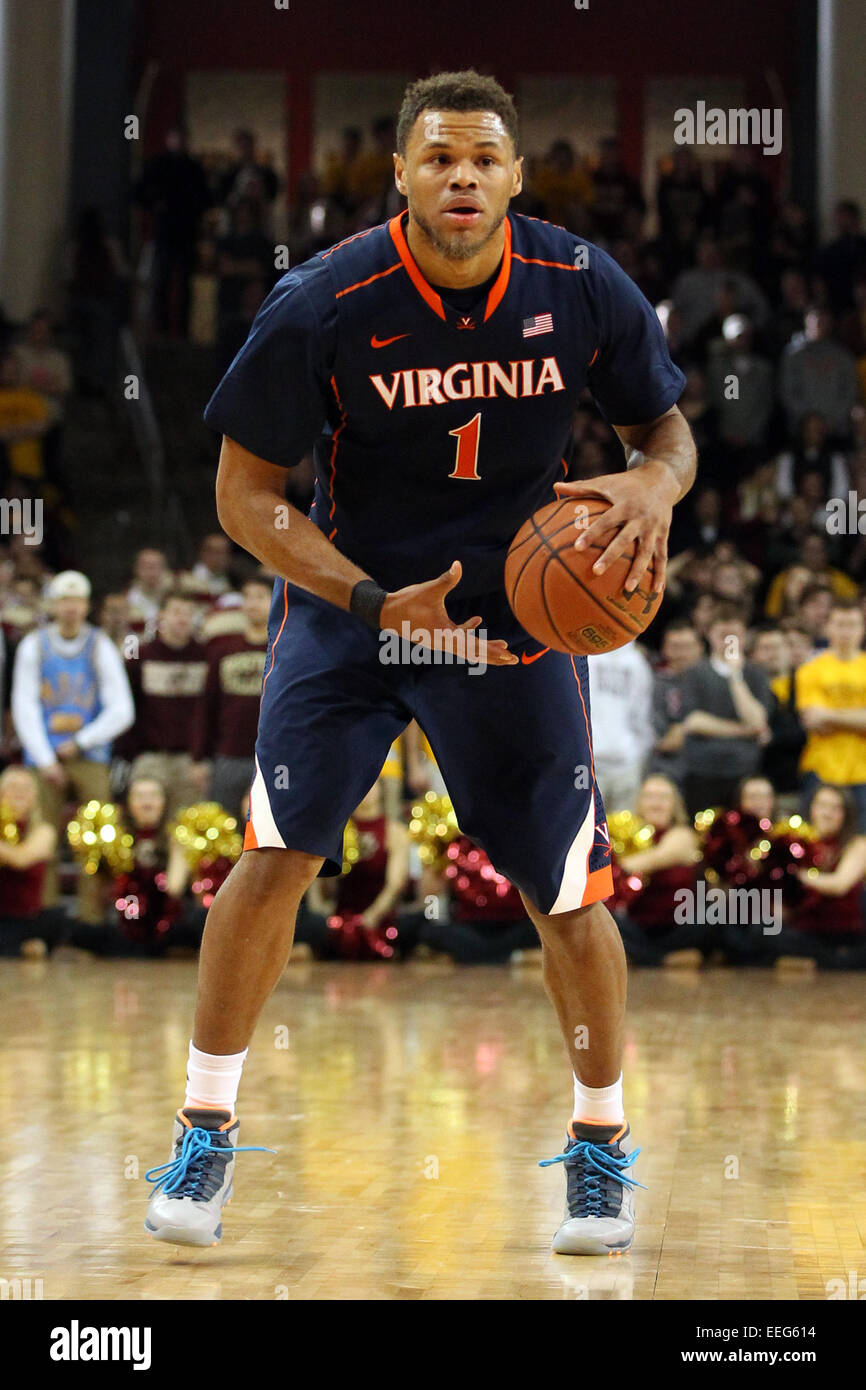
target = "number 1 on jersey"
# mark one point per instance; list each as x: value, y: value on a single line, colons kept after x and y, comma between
x: 466, y: 463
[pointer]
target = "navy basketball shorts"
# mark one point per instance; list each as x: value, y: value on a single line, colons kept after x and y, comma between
x: 512, y: 743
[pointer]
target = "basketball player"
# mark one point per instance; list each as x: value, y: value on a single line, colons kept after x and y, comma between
x: 434, y: 363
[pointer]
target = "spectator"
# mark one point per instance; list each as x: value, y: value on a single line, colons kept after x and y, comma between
x: 827, y: 925
x: 44, y: 366
x: 646, y: 904
x: 167, y: 677
x: 817, y: 374
x: 250, y: 178
x: 813, y: 612
x: 209, y: 578
x: 820, y: 574
x: 25, y: 419
x: 726, y: 704
x: 740, y: 388
x: 563, y: 186
x: 70, y: 699
x: 811, y: 453
x: 114, y: 619
x: 362, y: 904
x: 681, y: 648
x: 151, y: 580
x: 25, y: 925
x: 840, y: 261
x: 696, y: 291
x: 339, y: 180
x: 788, y: 318
x: 781, y: 762
x: 831, y: 700
x: 683, y: 208
x: 620, y: 690
x: 148, y: 912
x: 173, y: 189
x: 614, y: 192
x: 224, y: 730
x: 245, y: 264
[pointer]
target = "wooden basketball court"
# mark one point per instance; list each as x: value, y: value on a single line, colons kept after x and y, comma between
x: 410, y: 1106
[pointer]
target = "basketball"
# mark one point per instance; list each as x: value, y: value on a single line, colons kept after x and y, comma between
x: 554, y: 594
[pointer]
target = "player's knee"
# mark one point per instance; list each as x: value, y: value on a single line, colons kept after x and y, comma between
x: 261, y: 874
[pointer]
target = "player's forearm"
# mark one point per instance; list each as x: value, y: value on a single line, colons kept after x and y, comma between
x: 297, y: 551
x: 663, y: 446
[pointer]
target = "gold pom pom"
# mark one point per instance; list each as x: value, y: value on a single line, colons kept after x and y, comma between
x: 8, y: 826
x: 628, y: 834
x: 351, y: 847
x: 98, y: 838
x: 206, y: 831
x: 795, y: 825
x: 432, y: 826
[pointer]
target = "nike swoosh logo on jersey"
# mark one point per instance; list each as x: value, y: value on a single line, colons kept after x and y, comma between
x: 528, y: 660
x: 383, y: 342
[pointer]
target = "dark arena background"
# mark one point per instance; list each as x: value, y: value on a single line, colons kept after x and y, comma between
x: 162, y: 167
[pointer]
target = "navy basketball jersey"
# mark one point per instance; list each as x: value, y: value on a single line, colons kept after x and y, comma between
x: 437, y: 431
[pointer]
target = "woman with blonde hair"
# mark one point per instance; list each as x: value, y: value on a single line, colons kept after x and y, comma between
x: 27, y: 845
x: 650, y: 906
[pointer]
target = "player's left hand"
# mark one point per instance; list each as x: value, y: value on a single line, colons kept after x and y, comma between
x: 641, y: 504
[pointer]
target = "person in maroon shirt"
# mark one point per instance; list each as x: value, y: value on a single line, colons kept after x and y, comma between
x: 649, y: 879
x: 167, y: 677
x: 24, y: 925
x: 149, y: 909
x: 828, y: 924
x: 224, y: 732
x: 355, y: 916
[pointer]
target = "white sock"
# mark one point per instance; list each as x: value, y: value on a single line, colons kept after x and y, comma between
x: 599, y: 1105
x: 212, y: 1081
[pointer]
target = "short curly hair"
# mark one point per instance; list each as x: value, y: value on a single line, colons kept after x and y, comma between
x: 455, y: 91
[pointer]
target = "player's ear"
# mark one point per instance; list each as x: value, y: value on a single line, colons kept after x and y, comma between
x: 518, y: 177
x: 399, y: 174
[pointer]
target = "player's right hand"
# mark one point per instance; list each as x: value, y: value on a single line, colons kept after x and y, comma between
x: 422, y: 608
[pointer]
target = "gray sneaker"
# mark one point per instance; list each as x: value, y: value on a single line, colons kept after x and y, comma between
x: 599, y: 1212
x: 196, y: 1183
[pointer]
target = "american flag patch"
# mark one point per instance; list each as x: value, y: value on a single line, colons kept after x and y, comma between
x: 540, y: 323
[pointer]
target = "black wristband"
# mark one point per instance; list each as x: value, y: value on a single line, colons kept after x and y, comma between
x: 366, y: 602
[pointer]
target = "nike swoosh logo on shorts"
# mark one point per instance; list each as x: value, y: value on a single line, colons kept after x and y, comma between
x: 528, y: 660
x: 383, y: 342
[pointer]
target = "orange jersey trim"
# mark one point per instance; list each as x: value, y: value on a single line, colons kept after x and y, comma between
x: 599, y: 885
x: 337, y: 432
x: 407, y: 260
x: 345, y: 242
x: 359, y: 285
x: 501, y: 283
x: 555, y: 265
x: 279, y: 634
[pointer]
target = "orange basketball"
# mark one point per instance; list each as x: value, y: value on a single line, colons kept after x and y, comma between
x: 555, y: 595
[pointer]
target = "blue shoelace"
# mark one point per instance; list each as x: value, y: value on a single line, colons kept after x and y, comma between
x: 188, y: 1170
x: 599, y: 1164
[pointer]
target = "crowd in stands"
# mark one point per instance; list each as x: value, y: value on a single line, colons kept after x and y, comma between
x: 750, y: 686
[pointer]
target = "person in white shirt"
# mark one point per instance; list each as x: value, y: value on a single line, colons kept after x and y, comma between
x: 70, y: 700
x: 620, y: 692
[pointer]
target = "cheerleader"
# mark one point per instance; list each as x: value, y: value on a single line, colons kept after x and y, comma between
x: 647, y: 881
x: 147, y: 914
x: 27, y: 845
x: 828, y: 925
x: 355, y: 916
